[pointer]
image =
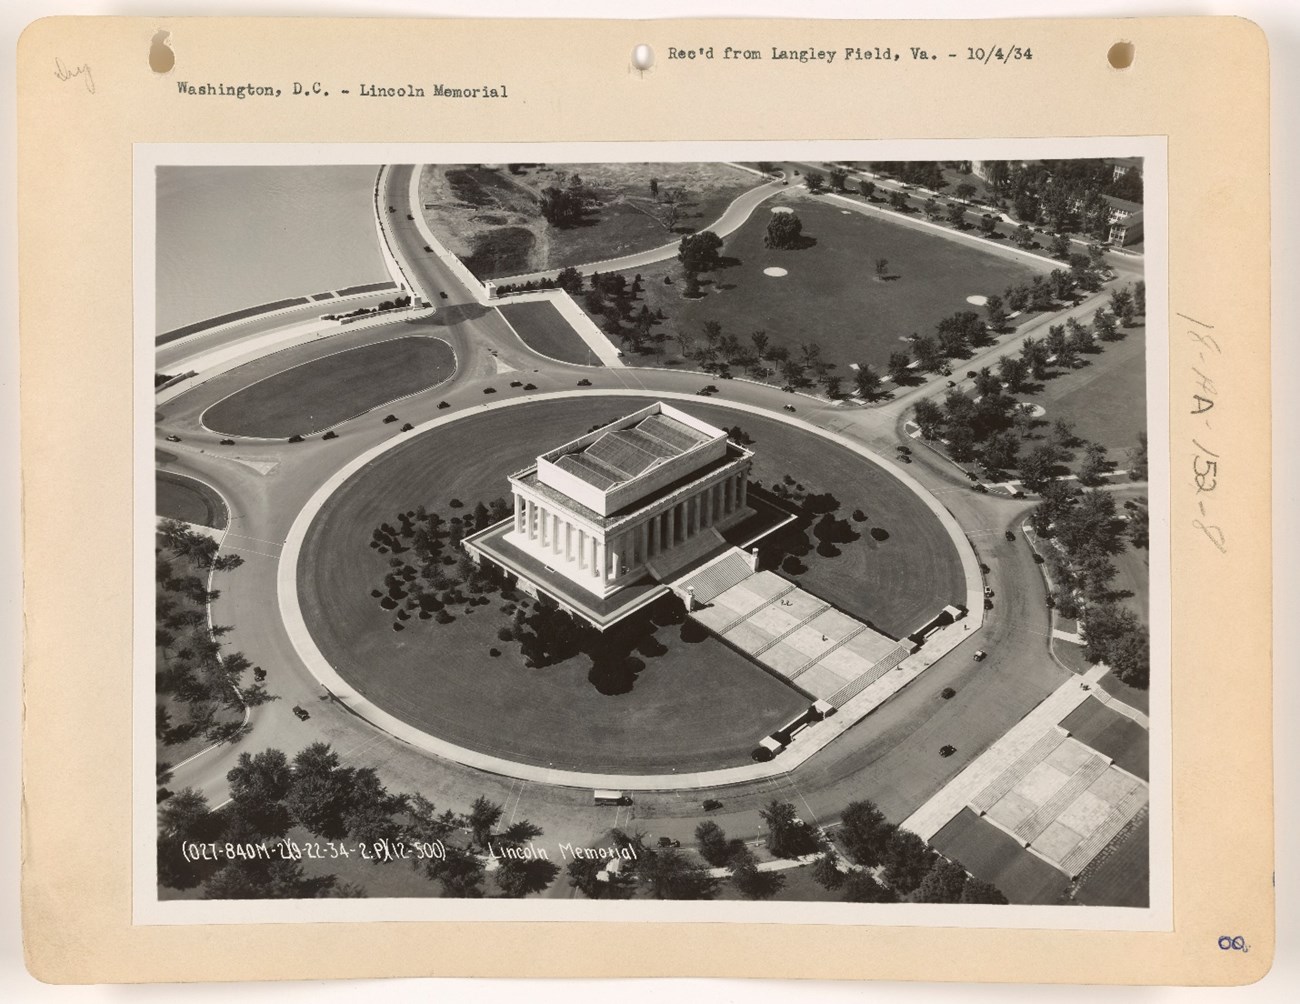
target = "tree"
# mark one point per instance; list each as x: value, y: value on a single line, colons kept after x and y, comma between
x: 964, y: 191
x: 699, y: 252
x: 926, y: 350
x: 864, y: 833
x: 749, y: 881
x: 996, y: 313
x: 814, y: 180
x: 1130, y: 657
x: 1137, y: 459
x: 837, y: 178
x: 832, y: 384
x: 899, y: 362
x: 519, y: 873
x: 931, y: 208
x: 483, y: 815
x: 184, y: 814
x: 866, y: 188
x: 826, y: 872
x: 956, y: 214
x: 978, y: 891
x: 944, y: 883
x: 321, y: 792
x: 787, y: 835
x: 862, y: 887
x: 1094, y: 464
x: 784, y: 231
x: 1104, y: 325
x: 867, y: 381
x: 882, y: 267
x: 929, y: 417
x: 562, y: 207
x: 585, y: 876
x: 898, y: 200
x: 570, y: 280
x: 654, y: 187
x: 258, y: 786
x: 668, y: 874
x: 1036, y: 467
x: 907, y: 859
x: 1060, y: 247
x: 714, y: 846
x: 759, y: 340
x: 1140, y: 297
x: 1001, y: 450
x: 1012, y: 372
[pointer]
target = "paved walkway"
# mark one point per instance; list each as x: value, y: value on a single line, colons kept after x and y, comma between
x: 1020, y: 739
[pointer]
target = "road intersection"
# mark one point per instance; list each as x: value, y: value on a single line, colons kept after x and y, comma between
x: 891, y: 757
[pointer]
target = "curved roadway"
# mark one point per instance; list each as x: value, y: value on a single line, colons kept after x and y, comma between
x: 890, y: 757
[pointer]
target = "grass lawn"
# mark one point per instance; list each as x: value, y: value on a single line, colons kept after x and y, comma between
x: 1111, y: 734
x: 1106, y: 400
x: 695, y: 704
x: 994, y: 856
x: 830, y: 294
x: 1133, y: 575
x: 490, y: 217
x: 332, y: 389
x: 1132, y: 696
x: 186, y: 499
x: 544, y: 329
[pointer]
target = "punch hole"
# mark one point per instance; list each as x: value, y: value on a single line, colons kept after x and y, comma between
x: 161, y: 57
x: 1120, y: 55
x: 643, y: 57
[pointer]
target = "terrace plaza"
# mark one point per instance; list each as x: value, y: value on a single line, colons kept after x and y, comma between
x: 602, y: 522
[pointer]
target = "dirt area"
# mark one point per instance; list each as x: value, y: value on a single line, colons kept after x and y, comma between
x: 489, y: 215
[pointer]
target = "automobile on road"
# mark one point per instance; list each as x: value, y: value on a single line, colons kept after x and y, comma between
x: 301, y: 712
x: 980, y: 655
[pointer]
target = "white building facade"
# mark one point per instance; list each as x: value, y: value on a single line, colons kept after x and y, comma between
x: 644, y: 495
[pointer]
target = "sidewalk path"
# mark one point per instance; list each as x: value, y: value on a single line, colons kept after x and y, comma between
x: 931, y: 817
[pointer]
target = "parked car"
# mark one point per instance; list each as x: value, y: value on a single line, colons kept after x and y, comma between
x: 1010, y: 535
x: 173, y: 438
x: 980, y: 655
x: 903, y: 449
x: 442, y: 295
x: 301, y: 712
x: 787, y: 407
x: 988, y: 590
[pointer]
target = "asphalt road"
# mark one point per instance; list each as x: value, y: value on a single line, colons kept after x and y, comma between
x: 890, y: 757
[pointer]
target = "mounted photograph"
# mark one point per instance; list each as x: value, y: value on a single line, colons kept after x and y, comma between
x: 657, y: 537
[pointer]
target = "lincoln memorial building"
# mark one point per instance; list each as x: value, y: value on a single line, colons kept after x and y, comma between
x: 621, y: 508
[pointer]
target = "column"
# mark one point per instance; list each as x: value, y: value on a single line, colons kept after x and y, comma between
x: 597, y: 558
x: 670, y: 534
x: 615, y: 549
x: 744, y: 488
x: 555, y: 533
x: 530, y: 517
x: 520, y: 514
x: 726, y: 496
x: 693, y: 514
x: 708, y: 506
x: 568, y: 542
x: 582, y: 548
x: 652, y: 545
x: 643, y: 543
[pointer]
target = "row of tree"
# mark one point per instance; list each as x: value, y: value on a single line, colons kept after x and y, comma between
x: 1082, y: 532
x: 271, y: 796
x: 191, y: 669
